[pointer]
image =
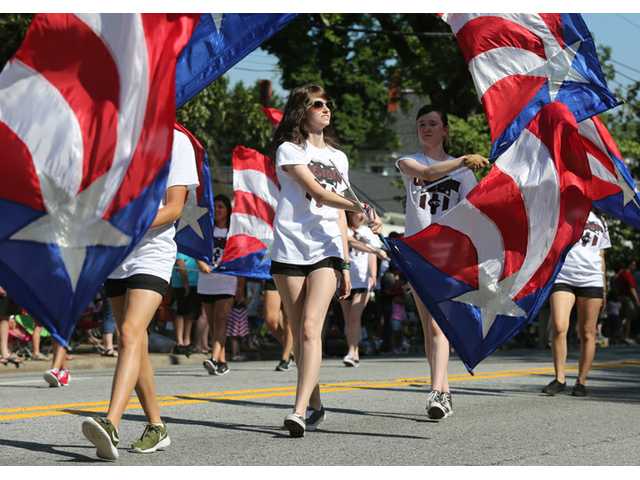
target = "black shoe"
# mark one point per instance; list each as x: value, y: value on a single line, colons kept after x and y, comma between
x: 554, y: 387
x: 211, y: 366
x: 295, y: 424
x: 315, y: 418
x: 222, y: 369
x: 579, y: 390
x: 284, y: 366
x: 437, y: 409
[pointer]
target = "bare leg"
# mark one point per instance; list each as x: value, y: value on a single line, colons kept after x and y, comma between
x: 186, y: 334
x: 436, y: 348
x: 59, y: 356
x: 35, y: 338
x: 561, y: 305
x: 146, y: 385
x: 221, y: 312
x: 272, y: 317
x: 288, y: 335
x: 132, y: 317
x: 179, y: 324
x: 4, y: 337
x: 588, y: 311
x: 354, y: 330
x: 319, y: 287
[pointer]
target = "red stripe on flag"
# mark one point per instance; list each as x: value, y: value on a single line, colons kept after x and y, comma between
x: 558, y: 130
x: 244, y: 158
x: 448, y: 250
x: 166, y: 35
x: 239, y: 246
x: 500, y: 199
x: 79, y: 65
x: 19, y: 181
x: 554, y: 22
x: 486, y: 33
x: 606, y: 137
x: 519, y: 89
x: 250, y: 204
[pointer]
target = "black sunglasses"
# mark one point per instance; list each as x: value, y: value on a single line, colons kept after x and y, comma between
x: 319, y: 104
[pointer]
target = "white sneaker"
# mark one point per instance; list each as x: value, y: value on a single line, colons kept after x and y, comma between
x: 349, y: 361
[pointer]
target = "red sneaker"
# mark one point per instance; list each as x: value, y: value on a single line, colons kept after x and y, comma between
x: 51, y: 377
x: 57, y: 378
x: 64, y: 377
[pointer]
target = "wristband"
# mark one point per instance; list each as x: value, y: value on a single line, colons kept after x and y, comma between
x: 345, y: 265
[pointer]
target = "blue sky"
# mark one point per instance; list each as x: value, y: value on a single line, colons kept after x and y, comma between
x: 621, y: 32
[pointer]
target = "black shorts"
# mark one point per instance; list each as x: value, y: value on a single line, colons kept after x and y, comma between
x: 213, y: 298
x: 270, y: 286
x: 117, y: 287
x: 8, y: 307
x: 356, y: 290
x: 187, y: 304
x: 583, y: 292
x: 278, y: 268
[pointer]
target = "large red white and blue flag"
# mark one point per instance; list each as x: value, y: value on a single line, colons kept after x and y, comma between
x: 194, y: 229
x: 520, y: 62
x: 255, y: 198
x: 219, y: 42
x: 87, y: 107
x: 614, y: 189
x: 485, y: 268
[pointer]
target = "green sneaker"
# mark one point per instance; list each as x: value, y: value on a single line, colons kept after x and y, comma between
x: 103, y: 434
x: 154, y: 437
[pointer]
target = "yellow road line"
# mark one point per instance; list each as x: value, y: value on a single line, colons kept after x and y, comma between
x: 21, y: 413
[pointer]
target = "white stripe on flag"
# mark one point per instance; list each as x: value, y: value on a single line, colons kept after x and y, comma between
x: 243, y: 224
x: 258, y: 184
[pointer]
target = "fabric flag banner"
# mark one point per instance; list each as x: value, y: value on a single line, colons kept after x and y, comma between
x: 485, y: 268
x: 194, y: 229
x: 614, y: 190
x: 273, y: 115
x: 219, y: 42
x: 519, y: 62
x: 255, y: 198
x: 86, y: 124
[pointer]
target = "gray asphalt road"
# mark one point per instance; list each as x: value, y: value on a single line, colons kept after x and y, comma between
x: 376, y: 416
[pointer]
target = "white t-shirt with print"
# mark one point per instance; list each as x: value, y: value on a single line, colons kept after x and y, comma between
x: 156, y: 252
x: 217, y: 283
x: 359, y: 259
x: 583, y: 265
x: 305, y: 232
x: 428, y: 201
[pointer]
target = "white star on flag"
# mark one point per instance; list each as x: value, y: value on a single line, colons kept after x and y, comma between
x: 191, y: 213
x: 71, y: 224
x: 217, y: 20
x: 493, y: 298
x: 559, y: 68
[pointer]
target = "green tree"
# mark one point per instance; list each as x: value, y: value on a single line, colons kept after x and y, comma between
x: 13, y: 26
x: 361, y: 58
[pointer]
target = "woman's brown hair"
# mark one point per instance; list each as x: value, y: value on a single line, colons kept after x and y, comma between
x: 292, y: 128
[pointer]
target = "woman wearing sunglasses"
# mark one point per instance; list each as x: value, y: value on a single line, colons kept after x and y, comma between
x: 310, y: 252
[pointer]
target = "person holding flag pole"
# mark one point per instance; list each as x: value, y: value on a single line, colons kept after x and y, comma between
x: 310, y: 251
x: 135, y: 290
x: 434, y: 183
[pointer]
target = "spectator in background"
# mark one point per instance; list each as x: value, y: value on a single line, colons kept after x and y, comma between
x: 626, y: 287
x: 184, y: 284
x: 7, y: 308
x: 384, y: 299
x: 217, y: 290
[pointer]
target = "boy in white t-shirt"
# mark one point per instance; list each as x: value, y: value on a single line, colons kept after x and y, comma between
x: 581, y: 282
